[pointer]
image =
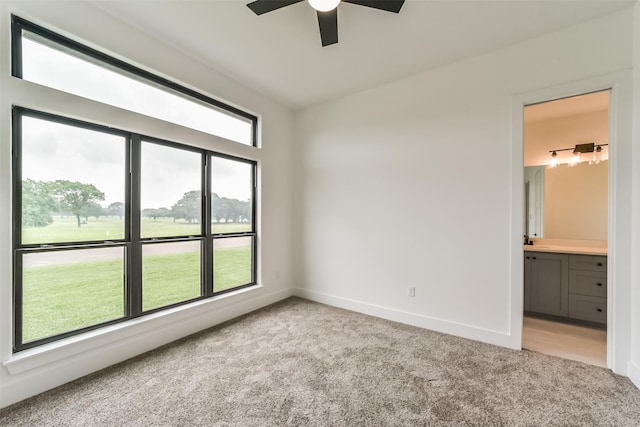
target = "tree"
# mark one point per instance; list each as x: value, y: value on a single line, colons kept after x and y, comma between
x: 164, y: 213
x: 219, y: 207
x: 188, y: 207
x: 92, y: 209
x: 76, y: 196
x: 37, y: 204
x: 231, y: 210
x: 116, y: 209
x: 155, y: 213
x: 216, y: 213
x: 245, y: 210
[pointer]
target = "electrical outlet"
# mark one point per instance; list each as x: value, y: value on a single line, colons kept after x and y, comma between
x: 411, y: 292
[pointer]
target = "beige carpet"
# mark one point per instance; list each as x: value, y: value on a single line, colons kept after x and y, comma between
x: 303, y: 363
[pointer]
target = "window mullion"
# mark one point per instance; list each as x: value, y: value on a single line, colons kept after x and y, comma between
x: 134, y: 252
x: 17, y: 229
x: 17, y: 300
x: 207, y: 253
x: 16, y: 49
x: 254, y: 208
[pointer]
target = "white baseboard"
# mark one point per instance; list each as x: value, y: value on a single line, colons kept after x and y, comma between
x: 36, y: 371
x: 439, y: 325
x: 634, y: 373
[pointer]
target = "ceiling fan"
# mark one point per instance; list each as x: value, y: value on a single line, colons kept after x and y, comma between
x: 327, y: 11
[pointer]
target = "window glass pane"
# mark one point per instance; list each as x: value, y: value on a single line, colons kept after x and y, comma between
x: 53, y: 65
x: 170, y: 191
x: 232, y: 262
x: 67, y: 290
x: 73, y: 183
x: 170, y: 273
x: 232, y: 193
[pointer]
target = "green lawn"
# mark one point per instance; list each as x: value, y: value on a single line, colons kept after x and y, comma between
x: 232, y: 267
x: 67, y: 230
x: 61, y: 298
x: 167, y: 279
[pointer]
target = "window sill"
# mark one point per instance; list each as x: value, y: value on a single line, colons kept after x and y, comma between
x: 125, y: 333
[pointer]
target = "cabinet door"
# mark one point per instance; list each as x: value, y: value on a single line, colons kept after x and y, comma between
x: 549, y: 283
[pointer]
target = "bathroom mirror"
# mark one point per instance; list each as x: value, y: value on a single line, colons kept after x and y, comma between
x: 567, y: 202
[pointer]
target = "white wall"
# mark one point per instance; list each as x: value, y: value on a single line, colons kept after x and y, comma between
x: 32, y: 371
x: 634, y: 364
x: 410, y: 184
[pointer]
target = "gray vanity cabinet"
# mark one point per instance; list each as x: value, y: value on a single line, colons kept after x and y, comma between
x: 567, y: 285
x: 547, y: 283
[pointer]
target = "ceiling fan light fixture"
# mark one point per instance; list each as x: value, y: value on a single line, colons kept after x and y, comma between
x: 327, y: 12
x: 324, y: 5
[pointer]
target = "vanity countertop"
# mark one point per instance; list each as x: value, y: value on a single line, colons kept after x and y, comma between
x: 581, y: 250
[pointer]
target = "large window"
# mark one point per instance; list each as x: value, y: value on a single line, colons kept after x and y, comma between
x: 51, y: 60
x: 110, y: 224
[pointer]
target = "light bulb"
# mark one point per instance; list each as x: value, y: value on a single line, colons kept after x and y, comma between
x: 324, y: 5
x: 575, y: 159
x: 554, y: 160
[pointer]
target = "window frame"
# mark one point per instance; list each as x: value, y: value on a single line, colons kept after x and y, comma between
x: 132, y: 241
x: 253, y: 233
x: 19, y: 24
x: 20, y: 248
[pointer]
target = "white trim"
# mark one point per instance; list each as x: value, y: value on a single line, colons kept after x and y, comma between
x: 620, y: 84
x: 634, y: 373
x: 516, y: 295
x: 50, y: 366
x: 439, y: 325
x: 24, y: 93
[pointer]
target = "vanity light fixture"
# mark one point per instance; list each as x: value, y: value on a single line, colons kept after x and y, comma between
x: 577, y: 151
x: 604, y: 155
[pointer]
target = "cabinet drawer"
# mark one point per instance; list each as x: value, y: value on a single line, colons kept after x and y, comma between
x: 593, y: 309
x: 591, y: 283
x: 588, y: 262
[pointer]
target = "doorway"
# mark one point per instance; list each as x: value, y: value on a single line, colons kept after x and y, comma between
x: 566, y: 146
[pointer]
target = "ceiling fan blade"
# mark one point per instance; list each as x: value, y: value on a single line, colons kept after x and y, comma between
x: 328, y: 23
x: 263, y: 6
x: 386, y: 5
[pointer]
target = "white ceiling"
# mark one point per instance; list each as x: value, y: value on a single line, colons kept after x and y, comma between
x: 279, y: 53
x: 581, y: 104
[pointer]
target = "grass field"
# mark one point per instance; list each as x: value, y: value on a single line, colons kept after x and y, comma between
x: 61, y: 298
x: 67, y: 230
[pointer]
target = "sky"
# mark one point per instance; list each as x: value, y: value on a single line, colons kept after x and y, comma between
x: 53, y: 150
x: 54, y: 68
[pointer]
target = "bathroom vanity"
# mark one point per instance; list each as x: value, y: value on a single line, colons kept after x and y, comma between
x: 568, y: 282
